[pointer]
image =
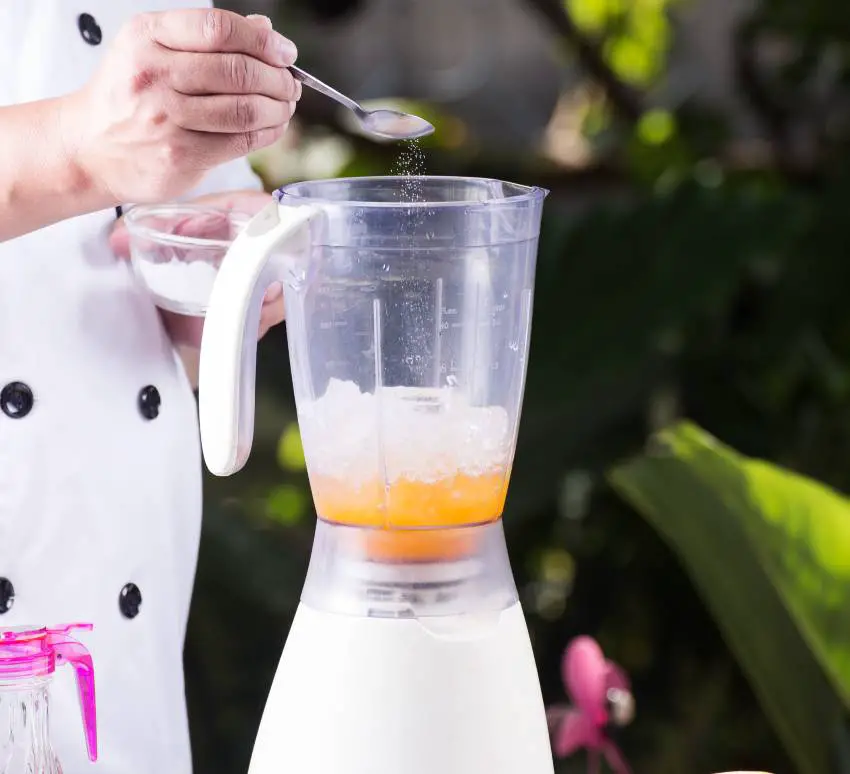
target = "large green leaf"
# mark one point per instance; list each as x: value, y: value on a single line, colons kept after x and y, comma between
x: 769, y: 551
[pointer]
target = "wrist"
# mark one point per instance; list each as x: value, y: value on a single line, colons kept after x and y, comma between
x: 184, y: 331
x: 41, y: 178
x: 77, y: 175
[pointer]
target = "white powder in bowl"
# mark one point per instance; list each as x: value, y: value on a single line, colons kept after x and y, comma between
x: 179, y: 286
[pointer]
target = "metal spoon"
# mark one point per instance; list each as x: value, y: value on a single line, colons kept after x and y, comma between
x: 388, y: 124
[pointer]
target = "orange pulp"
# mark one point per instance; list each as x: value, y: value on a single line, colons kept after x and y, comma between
x: 414, y: 520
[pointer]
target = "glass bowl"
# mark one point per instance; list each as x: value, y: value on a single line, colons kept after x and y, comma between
x: 176, y: 250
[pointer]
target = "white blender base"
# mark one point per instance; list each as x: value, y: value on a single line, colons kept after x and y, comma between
x: 359, y: 695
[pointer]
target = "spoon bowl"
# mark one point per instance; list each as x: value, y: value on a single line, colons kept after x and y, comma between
x: 393, y: 124
x: 384, y: 123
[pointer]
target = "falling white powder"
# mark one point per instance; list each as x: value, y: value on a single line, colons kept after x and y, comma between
x: 416, y: 433
x: 410, y: 165
x: 179, y: 286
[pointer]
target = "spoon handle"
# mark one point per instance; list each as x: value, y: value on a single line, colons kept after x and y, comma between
x: 315, y: 83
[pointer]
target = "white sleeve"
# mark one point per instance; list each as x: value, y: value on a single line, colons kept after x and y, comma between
x: 233, y: 176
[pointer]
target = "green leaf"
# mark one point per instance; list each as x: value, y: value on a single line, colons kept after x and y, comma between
x: 769, y: 551
x: 656, y: 127
x: 290, y: 452
x: 588, y: 15
x: 287, y: 504
x: 632, y: 61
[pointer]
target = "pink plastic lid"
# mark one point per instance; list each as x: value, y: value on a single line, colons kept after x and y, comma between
x: 31, y: 653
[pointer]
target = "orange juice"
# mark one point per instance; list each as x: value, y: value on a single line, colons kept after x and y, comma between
x: 417, y: 467
x: 413, y: 520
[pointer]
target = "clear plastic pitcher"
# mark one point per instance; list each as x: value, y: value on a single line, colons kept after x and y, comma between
x: 28, y: 660
x: 408, y: 310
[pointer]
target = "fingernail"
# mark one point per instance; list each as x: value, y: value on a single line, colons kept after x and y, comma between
x: 298, y: 89
x: 286, y: 49
x: 264, y: 20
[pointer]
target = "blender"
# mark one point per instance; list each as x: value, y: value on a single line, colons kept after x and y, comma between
x: 408, y: 328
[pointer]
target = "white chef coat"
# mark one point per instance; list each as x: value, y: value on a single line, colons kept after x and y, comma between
x: 96, y: 492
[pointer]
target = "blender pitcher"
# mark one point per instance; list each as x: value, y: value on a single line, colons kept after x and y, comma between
x: 28, y: 659
x: 408, y: 309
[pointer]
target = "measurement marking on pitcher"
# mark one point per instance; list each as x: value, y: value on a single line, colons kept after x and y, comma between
x: 377, y: 333
x: 438, y: 337
x: 450, y: 312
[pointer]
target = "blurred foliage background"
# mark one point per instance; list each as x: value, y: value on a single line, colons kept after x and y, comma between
x: 693, y: 265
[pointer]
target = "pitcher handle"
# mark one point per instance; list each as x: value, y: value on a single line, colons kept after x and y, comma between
x: 227, y: 369
x: 70, y: 651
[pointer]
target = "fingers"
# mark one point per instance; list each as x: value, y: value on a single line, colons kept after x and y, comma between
x: 271, y: 315
x: 248, y: 201
x: 202, y: 74
x: 228, y: 79
x: 207, y: 225
x: 274, y: 292
x: 222, y: 147
x: 272, y: 312
x: 218, y: 31
x: 225, y: 114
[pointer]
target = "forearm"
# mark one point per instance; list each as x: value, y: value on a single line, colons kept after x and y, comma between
x: 185, y: 334
x: 40, y: 181
x: 191, y: 358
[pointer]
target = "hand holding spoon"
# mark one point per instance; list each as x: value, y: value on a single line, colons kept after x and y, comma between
x: 387, y: 124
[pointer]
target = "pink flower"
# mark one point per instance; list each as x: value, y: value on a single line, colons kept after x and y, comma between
x: 601, y: 695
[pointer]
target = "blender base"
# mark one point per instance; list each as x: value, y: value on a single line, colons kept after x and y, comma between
x: 447, y: 695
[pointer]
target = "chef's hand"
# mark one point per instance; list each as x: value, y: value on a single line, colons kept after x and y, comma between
x: 178, y: 93
x: 185, y: 332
